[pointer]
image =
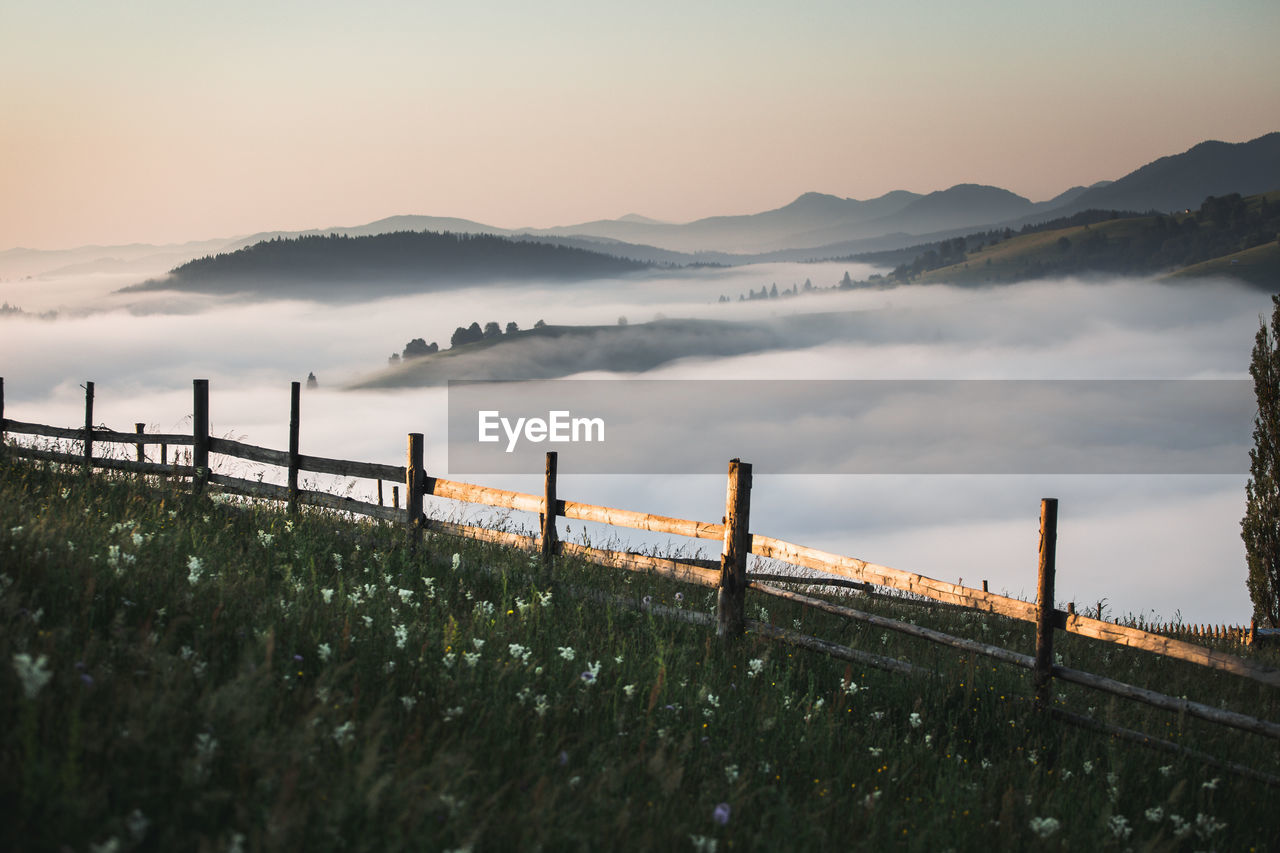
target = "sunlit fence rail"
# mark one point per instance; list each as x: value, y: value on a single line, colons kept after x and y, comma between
x: 728, y: 575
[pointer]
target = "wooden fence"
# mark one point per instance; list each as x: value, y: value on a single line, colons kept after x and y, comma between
x: 729, y: 575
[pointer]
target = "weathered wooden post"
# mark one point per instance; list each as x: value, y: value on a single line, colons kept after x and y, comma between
x: 547, y: 518
x: 984, y: 586
x: 140, y: 429
x: 395, y: 497
x: 295, y: 419
x: 200, y: 434
x: 415, y: 480
x: 1044, y: 602
x: 730, y: 606
x: 88, y: 428
x: 380, y: 493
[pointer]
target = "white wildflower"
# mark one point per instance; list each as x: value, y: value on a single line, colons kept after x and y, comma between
x: 1045, y: 826
x: 917, y: 722
x: 457, y: 561
x: 402, y: 635
x: 754, y: 666
x: 540, y: 705
x: 566, y: 652
x: 327, y: 595
x: 265, y: 538
x: 195, y: 568
x: 1206, y: 826
x: 344, y: 733
x: 544, y: 599
x: 731, y: 773
x: 629, y: 689
x: 1119, y: 826
x: 471, y: 659
x: 324, y: 651
x: 33, y: 674
x: 1154, y: 814
x: 406, y: 595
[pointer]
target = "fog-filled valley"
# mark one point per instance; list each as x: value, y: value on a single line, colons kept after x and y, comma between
x: 1154, y: 544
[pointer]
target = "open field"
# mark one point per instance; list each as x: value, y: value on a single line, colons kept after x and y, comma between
x: 222, y: 675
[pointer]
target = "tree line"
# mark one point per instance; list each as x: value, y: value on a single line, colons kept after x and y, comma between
x: 462, y: 336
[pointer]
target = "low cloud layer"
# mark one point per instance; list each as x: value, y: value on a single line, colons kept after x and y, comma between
x: 1145, y: 544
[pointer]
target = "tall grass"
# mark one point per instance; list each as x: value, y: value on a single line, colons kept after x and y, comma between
x: 222, y: 676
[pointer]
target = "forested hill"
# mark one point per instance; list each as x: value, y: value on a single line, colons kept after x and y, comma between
x: 401, y: 262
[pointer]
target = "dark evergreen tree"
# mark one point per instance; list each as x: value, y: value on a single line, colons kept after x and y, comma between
x: 541, y: 324
x: 492, y: 329
x: 1260, y: 527
x: 512, y: 328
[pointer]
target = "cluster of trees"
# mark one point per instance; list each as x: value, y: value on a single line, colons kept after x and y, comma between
x: 462, y: 336
x: 774, y: 293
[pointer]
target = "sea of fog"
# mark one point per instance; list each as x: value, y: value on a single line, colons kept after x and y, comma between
x: 1155, y: 545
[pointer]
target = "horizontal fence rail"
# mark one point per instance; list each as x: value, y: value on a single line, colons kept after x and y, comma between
x: 728, y: 574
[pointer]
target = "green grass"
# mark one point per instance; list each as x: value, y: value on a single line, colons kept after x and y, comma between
x: 307, y: 689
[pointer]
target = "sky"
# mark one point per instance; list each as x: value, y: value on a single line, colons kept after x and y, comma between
x: 161, y: 122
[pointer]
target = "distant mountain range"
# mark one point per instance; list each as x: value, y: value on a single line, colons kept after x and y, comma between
x: 813, y: 226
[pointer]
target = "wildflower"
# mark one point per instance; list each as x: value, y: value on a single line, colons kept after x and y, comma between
x: 34, y: 675
x: 630, y: 690
x: 137, y: 540
x: 457, y: 561
x: 402, y: 635
x: 1166, y: 770
x: 1119, y: 826
x: 66, y: 493
x: 540, y: 705
x: 344, y: 733
x: 566, y: 652
x: 703, y: 844
x: 137, y: 824
x: 731, y: 773
x: 875, y: 751
x: 264, y: 538
x: 1033, y: 758
x: 1155, y: 814
x: 337, y: 560
x: 850, y: 688
x: 408, y: 702
x: 679, y: 598
x: 453, y: 713
x: 593, y: 670
x: 327, y: 595
x: 1045, y: 826
x: 986, y: 764
x: 195, y: 568
x: 1088, y: 767
x: 324, y: 651
x: 1211, y: 785
x: 471, y: 659
x: 522, y: 606
x: 870, y: 799
x: 877, y: 715
x: 713, y: 700
x: 389, y: 667
x: 916, y: 722
x: 113, y: 556
x: 721, y: 814
x: 928, y: 740
x: 754, y: 666
x: 406, y: 595
x: 618, y: 660
x: 544, y: 598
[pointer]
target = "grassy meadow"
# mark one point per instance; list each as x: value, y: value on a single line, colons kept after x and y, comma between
x: 183, y: 673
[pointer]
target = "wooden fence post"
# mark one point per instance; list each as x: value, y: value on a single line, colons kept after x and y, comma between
x: 547, y: 518
x: 88, y: 428
x: 141, y: 429
x: 730, y: 604
x: 380, y: 493
x: 395, y: 497
x: 295, y: 418
x: 415, y: 480
x: 200, y: 434
x: 1044, y: 602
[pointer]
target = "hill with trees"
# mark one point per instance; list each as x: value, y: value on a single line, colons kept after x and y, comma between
x: 402, y: 262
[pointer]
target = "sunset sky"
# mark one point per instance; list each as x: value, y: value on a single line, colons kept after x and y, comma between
x: 162, y: 122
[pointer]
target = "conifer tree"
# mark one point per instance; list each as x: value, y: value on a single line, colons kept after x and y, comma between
x: 1260, y: 527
